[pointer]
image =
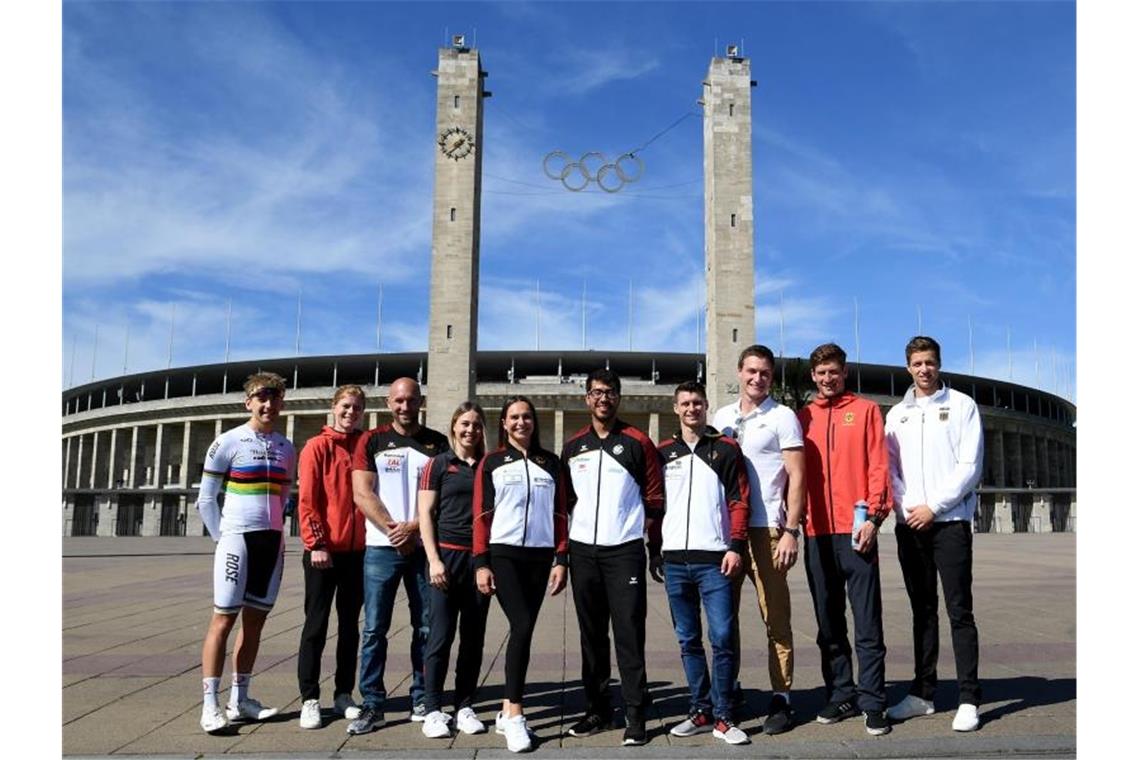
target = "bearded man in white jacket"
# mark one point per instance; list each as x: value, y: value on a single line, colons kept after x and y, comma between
x: 934, y: 439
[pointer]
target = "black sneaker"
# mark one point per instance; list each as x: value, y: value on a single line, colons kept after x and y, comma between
x: 780, y: 718
x: 589, y: 725
x: 834, y: 712
x: 369, y: 720
x: 634, y: 733
x: 876, y: 722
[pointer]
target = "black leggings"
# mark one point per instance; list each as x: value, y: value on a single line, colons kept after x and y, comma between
x: 520, y: 584
x: 462, y: 606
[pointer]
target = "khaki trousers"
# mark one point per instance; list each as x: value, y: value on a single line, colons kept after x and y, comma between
x: 775, y: 602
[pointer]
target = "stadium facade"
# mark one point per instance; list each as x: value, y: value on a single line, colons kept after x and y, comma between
x: 133, y: 446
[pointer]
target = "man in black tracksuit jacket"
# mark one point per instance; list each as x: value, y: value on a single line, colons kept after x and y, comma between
x: 616, y: 497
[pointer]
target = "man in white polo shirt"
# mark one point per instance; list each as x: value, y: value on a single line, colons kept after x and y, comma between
x: 772, y: 441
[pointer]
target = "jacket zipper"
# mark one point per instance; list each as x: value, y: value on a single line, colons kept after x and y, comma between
x: 352, y: 514
x: 526, y: 506
x: 598, y: 497
x: 830, y: 492
x: 689, y: 504
x: 922, y: 452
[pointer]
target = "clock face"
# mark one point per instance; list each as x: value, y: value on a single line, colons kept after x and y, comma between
x: 456, y: 143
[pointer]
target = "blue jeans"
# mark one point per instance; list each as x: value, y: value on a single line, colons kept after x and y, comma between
x: 384, y: 570
x: 688, y: 586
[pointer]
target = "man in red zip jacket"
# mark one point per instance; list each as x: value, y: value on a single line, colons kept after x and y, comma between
x: 846, y: 464
x: 332, y: 530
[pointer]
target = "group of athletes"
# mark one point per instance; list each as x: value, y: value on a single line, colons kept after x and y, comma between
x: 717, y: 502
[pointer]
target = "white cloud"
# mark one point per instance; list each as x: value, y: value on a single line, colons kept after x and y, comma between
x: 583, y: 70
x: 310, y: 184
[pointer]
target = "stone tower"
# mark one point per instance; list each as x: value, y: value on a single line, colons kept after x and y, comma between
x: 454, y: 311
x: 729, y: 266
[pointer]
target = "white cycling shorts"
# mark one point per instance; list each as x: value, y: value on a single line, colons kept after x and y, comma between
x: 247, y: 570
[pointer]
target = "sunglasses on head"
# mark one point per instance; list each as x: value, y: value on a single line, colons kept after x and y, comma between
x: 265, y: 394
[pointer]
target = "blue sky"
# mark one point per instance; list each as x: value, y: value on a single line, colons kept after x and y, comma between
x: 912, y: 156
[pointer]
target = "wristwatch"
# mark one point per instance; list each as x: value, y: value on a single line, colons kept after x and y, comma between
x: 794, y: 532
x: 876, y: 520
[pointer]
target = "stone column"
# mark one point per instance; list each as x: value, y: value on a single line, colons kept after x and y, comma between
x: 92, y: 480
x: 654, y: 431
x: 158, y: 480
x: 1003, y: 513
x: 184, y: 473
x: 107, y: 507
x: 67, y: 462
x: 290, y: 426
x: 729, y: 258
x: 111, y: 474
x: 78, y: 482
x: 132, y: 482
x: 152, y: 515
x: 189, y: 505
x: 68, y: 514
x: 1041, y: 517
x: 559, y: 430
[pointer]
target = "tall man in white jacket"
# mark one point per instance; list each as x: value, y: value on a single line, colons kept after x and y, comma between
x: 934, y: 438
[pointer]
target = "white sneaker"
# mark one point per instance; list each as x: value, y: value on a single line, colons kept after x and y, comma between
x: 966, y: 719
x: 729, y: 733
x: 437, y: 725
x: 249, y: 709
x: 418, y: 714
x: 910, y: 706
x: 311, y: 713
x: 213, y: 719
x: 346, y: 707
x: 500, y: 723
x: 468, y: 722
x: 518, y: 737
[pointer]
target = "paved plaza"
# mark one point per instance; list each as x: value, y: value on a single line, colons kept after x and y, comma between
x: 135, y: 611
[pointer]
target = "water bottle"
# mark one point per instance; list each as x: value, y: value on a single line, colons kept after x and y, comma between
x: 860, y: 518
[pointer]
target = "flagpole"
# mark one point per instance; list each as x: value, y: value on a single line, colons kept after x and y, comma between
x: 583, y: 314
x: 858, y: 360
x: 782, y: 362
x: 297, y: 350
x: 95, y: 352
x: 75, y: 340
x: 229, y: 312
x: 170, y: 345
x: 970, y: 321
x: 379, y: 313
x: 631, y: 314
x: 1009, y: 350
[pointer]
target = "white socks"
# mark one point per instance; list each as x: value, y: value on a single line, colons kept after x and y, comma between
x: 210, y: 692
x: 240, y: 687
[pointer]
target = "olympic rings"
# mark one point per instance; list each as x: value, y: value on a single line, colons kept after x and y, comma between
x: 592, y: 166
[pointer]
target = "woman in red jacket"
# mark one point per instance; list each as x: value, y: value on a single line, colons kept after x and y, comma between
x: 332, y: 530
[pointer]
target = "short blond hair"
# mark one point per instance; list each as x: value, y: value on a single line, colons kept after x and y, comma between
x: 350, y: 389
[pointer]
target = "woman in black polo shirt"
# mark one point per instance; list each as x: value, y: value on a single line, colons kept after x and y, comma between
x: 446, y: 488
